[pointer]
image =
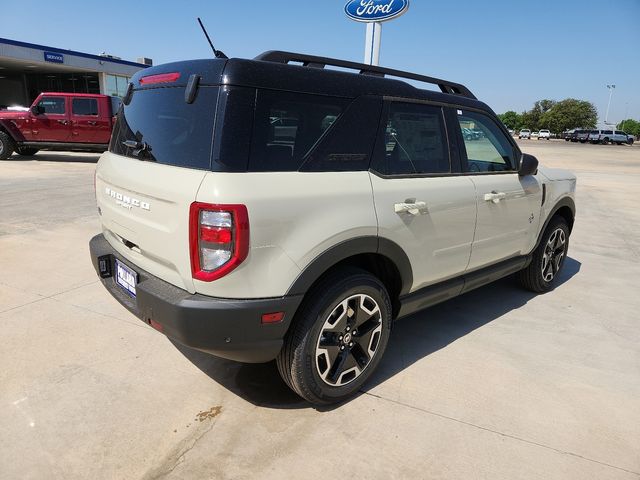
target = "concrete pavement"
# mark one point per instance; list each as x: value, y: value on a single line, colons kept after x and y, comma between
x: 496, y: 384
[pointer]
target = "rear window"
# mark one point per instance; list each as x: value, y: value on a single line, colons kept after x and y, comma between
x: 84, y: 106
x: 159, y: 126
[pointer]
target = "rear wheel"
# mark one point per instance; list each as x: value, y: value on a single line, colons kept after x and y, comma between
x: 6, y: 146
x: 630, y: 141
x: 338, y: 337
x: 548, y: 257
x: 27, y: 151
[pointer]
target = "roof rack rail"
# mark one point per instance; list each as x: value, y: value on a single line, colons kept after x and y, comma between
x: 320, y: 62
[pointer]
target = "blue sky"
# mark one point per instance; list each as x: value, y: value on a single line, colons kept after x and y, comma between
x: 508, y: 53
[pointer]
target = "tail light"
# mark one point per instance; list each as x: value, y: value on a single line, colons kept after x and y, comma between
x: 218, y: 239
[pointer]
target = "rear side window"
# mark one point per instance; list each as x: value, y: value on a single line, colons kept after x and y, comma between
x: 347, y: 146
x: 286, y: 127
x: 84, y: 106
x: 159, y: 126
x: 415, y: 141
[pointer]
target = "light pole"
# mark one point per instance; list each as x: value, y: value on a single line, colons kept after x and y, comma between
x: 606, y: 117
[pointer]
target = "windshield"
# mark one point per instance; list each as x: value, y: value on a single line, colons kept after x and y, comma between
x: 159, y: 126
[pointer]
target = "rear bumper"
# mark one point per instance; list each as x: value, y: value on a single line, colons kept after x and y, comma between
x: 228, y: 328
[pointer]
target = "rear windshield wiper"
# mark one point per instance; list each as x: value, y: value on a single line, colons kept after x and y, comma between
x: 138, y: 147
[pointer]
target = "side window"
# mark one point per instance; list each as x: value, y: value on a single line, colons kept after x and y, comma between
x: 488, y: 149
x: 84, y: 106
x: 415, y: 141
x: 287, y: 126
x: 348, y: 145
x: 52, y: 105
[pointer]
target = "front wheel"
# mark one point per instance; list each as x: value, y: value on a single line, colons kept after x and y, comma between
x: 548, y: 257
x: 338, y: 337
x: 6, y: 146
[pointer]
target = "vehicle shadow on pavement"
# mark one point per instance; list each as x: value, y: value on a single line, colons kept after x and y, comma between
x: 55, y: 157
x: 412, y: 339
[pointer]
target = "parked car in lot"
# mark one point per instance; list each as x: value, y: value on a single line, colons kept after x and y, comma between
x: 253, y: 239
x: 582, y: 135
x: 615, y: 136
x: 545, y: 134
x: 570, y: 135
x: 525, y: 133
x: 59, y: 121
x: 595, y: 136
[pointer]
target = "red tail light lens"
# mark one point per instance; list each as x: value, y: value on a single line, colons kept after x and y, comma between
x: 160, y: 78
x: 218, y: 239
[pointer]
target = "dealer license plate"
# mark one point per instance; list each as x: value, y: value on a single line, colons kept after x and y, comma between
x: 126, y: 278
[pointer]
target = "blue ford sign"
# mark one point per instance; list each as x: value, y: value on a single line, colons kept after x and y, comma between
x: 53, y: 57
x: 375, y: 10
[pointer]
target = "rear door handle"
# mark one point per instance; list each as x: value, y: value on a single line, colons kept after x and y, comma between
x: 494, y: 196
x: 91, y: 122
x: 411, y: 208
x: 63, y: 122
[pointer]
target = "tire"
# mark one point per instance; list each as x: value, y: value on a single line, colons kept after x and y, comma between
x: 6, y: 146
x: 27, y: 152
x: 548, y: 257
x: 605, y: 141
x: 630, y: 141
x: 334, y: 373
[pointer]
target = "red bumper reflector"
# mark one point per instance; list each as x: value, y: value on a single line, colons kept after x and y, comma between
x: 272, y: 317
x: 155, y: 325
x: 160, y: 78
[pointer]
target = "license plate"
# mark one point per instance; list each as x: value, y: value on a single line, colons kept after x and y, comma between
x: 126, y: 278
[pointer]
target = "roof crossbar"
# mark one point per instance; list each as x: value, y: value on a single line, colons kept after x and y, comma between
x: 313, y: 61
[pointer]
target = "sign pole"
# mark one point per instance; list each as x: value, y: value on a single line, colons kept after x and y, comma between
x: 372, y: 43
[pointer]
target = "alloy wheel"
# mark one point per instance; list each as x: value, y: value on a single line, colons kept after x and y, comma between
x: 348, y: 340
x: 553, y: 254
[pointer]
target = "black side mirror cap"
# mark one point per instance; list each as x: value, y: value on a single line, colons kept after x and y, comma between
x: 35, y: 110
x: 528, y: 165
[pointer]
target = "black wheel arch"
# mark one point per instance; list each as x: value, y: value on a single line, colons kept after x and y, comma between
x: 380, y: 256
x: 566, y: 208
x: 8, y: 128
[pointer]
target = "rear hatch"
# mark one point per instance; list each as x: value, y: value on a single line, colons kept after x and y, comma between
x: 159, y: 153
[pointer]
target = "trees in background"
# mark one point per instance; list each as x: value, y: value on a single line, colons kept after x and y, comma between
x: 555, y: 116
x: 630, y: 126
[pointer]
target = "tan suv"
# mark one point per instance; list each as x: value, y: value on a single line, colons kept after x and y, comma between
x: 260, y: 210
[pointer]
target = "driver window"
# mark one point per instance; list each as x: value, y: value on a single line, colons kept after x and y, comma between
x: 49, y: 105
x: 488, y: 149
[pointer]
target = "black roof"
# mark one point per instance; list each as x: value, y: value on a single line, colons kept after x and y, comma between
x: 272, y: 70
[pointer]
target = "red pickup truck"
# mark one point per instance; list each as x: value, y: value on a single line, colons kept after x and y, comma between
x: 59, y: 121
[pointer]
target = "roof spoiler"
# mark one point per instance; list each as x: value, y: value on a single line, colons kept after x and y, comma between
x: 313, y: 61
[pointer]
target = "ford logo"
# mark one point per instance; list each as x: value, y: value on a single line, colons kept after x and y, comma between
x: 375, y: 10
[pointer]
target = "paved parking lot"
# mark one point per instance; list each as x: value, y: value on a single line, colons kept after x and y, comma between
x: 496, y: 384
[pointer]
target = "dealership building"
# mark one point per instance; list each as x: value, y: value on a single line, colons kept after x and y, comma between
x: 27, y: 69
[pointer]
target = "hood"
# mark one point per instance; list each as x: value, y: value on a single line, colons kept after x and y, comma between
x: 556, y: 173
x: 11, y: 115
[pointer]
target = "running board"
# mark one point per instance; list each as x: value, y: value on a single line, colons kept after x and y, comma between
x: 440, y: 292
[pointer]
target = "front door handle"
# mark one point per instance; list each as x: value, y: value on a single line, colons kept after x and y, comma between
x: 495, y: 197
x: 63, y: 122
x: 92, y: 123
x: 412, y: 208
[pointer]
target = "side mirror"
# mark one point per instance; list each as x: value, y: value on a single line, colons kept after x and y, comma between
x: 528, y: 165
x: 36, y: 110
